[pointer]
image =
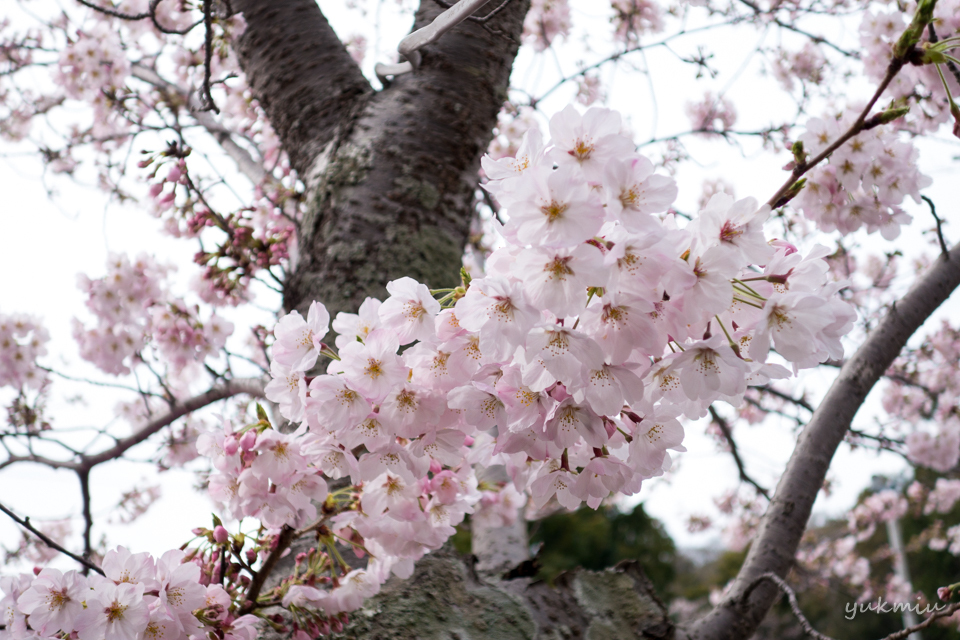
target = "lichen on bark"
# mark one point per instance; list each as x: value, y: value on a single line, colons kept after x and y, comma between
x: 446, y: 599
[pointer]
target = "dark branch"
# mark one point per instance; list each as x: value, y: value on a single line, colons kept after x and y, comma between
x: 25, y: 523
x: 794, y: 605
x: 256, y: 583
x: 85, y: 462
x: 933, y: 211
x: 728, y: 434
x: 947, y: 611
x: 84, y: 477
x: 800, y: 402
x: 206, y: 98
x: 228, y: 389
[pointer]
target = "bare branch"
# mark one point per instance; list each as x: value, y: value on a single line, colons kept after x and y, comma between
x: 728, y: 434
x: 248, y: 166
x: 25, y: 523
x: 250, y: 386
x: 933, y: 212
x: 800, y: 402
x: 794, y: 605
x: 85, y: 462
x: 948, y: 611
x: 84, y: 477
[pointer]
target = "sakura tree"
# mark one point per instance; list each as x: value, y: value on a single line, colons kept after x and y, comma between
x: 492, y: 303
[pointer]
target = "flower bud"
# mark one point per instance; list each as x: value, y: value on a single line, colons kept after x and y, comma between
x: 248, y: 439
x: 220, y: 534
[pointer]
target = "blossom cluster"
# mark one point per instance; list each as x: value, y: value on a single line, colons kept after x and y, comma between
x: 546, y: 20
x: 138, y: 596
x: 865, y: 181
x: 922, y: 393
x: 94, y: 63
x: 633, y: 18
x: 879, y: 31
x: 22, y: 340
x: 596, y: 326
x: 133, y: 309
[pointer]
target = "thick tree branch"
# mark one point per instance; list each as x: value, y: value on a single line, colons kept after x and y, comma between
x: 284, y: 538
x: 783, y: 524
x: 248, y: 166
x: 300, y: 72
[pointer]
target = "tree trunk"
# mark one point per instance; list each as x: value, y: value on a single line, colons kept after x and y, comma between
x: 391, y: 176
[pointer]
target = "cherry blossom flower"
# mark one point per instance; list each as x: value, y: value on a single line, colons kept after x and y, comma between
x: 555, y: 208
x: 298, y: 340
x: 409, y: 311
x: 53, y: 601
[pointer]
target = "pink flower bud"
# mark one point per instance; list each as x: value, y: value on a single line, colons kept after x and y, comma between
x: 174, y: 174
x: 220, y: 534
x: 468, y: 441
x: 435, y: 467
x: 944, y: 593
x: 230, y: 446
x: 248, y: 439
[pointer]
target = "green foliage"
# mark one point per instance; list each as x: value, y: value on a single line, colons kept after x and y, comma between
x: 596, y: 539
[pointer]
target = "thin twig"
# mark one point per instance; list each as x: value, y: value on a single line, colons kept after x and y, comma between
x: 800, y: 402
x: 794, y: 605
x: 206, y: 98
x: 933, y: 211
x: 728, y: 434
x: 899, y: 635
x: 861, y: 124
x: 25, y: 523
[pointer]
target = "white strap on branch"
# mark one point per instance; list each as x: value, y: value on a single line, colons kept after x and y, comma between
x: 409, y: 46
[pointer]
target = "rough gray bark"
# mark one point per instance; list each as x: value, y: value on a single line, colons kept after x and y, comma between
x: 300, y: 72
x: 783, y: 524
x: 446, y: 600
x: 392, y: 194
